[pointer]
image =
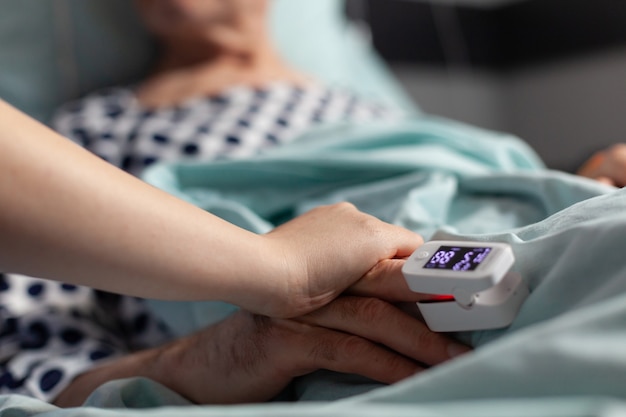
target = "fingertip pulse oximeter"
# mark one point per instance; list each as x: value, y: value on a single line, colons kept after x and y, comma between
x: 472, y: 284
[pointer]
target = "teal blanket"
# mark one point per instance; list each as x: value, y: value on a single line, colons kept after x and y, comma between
x: 565, y: 354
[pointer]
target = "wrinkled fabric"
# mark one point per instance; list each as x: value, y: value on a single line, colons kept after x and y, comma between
x: 565, y: 353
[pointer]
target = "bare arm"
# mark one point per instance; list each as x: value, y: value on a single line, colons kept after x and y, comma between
x: 67, y: 215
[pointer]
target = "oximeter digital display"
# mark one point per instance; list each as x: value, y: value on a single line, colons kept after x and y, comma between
x: 471, y: 284
x: 457, y: 258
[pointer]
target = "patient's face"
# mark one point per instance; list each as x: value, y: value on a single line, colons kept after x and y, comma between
x: 191, y: 19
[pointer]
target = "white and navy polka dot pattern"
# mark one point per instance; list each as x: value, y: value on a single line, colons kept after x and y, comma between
x: 237, y: 123
x: 52, y: 332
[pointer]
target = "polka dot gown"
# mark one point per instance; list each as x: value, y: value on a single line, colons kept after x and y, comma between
x: 237, y: 123
x: 52, y: 332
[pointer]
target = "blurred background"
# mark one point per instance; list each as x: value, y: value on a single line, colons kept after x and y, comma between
x: 550, y: 71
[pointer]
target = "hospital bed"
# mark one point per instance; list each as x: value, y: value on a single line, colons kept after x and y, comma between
x: 564, y: 355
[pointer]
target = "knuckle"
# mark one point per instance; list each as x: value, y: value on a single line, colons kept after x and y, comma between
x: 372, y: 222
x: 345, y: 205
x: 343, y: 348
x: 371, y: 226
x: 398, y: 365
x: 325, y: 349
x: 426, y: 340
x: 382, y: 364
x: 370, y: 309
x: 341, y: 206
x: 352, y: 346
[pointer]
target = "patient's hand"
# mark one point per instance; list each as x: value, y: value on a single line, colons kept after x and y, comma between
x: 252, y: 358
x: 608, y: 166
x: 249, y: 358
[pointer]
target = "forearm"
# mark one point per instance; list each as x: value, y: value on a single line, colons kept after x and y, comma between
x: 204, y: 367
x: 67, y: 215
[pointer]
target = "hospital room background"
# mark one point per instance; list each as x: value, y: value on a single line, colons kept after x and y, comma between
x: 550, y: 71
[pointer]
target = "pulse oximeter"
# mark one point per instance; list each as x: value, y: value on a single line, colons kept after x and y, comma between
x: 472, y: 284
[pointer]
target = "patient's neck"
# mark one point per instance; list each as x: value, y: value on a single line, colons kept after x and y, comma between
x: 187, y: 71
x: 182, y: 55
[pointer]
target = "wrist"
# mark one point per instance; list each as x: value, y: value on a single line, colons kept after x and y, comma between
x: 268, y: 279
x: 140, y: 364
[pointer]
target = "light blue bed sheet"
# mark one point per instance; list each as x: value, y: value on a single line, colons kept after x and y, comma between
x: 564, y: 355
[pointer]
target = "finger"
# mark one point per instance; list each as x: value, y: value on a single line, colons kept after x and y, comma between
x: 341, y: 352
x: 385, y: 281
x: 381, y: 322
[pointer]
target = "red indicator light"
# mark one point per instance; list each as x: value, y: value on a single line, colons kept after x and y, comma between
x: 439, y: 299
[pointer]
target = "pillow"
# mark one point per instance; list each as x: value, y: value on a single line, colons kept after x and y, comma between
x: 54, y: 51
x: 315, y: 36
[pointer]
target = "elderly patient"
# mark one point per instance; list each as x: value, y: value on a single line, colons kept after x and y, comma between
x: 218, y: 90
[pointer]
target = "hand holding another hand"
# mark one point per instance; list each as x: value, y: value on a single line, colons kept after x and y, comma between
x: 323, y: 252
x: 321, y: 308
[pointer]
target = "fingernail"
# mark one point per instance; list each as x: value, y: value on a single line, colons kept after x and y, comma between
x: 456, y: 349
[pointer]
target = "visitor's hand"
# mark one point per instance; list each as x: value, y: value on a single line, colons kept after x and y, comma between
x: 251, y: 358
x: 608, y: 166
x: 323, y: 252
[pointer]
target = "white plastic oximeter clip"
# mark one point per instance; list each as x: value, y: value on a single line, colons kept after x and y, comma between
x: 472, y: 284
